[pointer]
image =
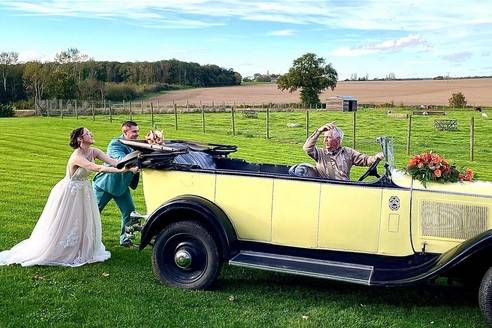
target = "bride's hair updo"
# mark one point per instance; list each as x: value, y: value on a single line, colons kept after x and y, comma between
x: 74, y: 136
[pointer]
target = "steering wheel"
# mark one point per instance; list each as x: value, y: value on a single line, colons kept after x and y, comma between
x: 371, y: 171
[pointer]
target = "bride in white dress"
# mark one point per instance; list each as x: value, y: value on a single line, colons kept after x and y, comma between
x: 68, y: 232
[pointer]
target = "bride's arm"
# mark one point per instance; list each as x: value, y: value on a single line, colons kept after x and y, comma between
x: 88, y: 165
x: 99, y: 154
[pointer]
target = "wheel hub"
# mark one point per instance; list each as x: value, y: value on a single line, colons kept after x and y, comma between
x: 183, y: 259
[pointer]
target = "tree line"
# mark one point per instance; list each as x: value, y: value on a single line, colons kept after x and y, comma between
x: 73, y: 75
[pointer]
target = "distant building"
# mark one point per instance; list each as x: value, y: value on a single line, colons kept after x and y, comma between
x: 342, y: 103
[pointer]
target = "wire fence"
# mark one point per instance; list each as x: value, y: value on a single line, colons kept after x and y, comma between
x: 466, y: 132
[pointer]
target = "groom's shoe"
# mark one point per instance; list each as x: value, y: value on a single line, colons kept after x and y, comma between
x: 127, y: 243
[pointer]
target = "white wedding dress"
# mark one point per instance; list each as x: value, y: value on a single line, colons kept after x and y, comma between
x: 68, y: 232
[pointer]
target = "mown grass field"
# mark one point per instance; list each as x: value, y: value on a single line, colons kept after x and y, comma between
x: 122, y: 291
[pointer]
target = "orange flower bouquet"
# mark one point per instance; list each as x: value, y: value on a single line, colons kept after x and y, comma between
x: 432, y: 167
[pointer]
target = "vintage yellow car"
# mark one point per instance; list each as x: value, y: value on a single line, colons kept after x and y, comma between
x: 391, y: 231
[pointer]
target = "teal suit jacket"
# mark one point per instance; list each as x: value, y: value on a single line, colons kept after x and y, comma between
x: 115, y: 183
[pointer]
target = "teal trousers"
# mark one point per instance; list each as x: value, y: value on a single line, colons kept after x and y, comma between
x: 124, y: 203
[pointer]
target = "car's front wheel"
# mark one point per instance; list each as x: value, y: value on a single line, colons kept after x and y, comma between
x: 185, y: 255
x: 485, y: 296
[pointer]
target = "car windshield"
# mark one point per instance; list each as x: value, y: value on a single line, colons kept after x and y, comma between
x: 389, y: 155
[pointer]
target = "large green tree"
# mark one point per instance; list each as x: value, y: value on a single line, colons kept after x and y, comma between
x: 35, y: 78
x: 60, y: 84
x: 7, y: 62
x: 311, y: 75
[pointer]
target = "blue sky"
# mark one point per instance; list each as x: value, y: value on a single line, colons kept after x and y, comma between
x: 407, y: 38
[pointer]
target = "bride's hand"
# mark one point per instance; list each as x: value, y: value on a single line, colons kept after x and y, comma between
x: 133, y: 169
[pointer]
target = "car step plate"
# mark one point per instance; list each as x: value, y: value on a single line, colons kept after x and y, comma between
x: 304, y: 266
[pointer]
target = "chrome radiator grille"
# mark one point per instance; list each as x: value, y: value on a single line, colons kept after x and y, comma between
x: 455, y: 221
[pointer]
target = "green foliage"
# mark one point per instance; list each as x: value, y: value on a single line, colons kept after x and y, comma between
x: 457, y: 100
x: 310, y: 74
x: 91, y: 89
x: 19, y: 81
x: 121, y: 91
x: 24, y: 104
x: 7, y: 110
x: 158, y: 87
x: 35, y: 76
x: 61, y: 84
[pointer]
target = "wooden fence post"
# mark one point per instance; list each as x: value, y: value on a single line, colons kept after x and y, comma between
x: 76, y: 110
x: 141, y: 107
x: 61, y: 108
x: 354, y: 124
x: 472, y: 139
x: 233, y: 117
x: 409, y: 133
x: 110, y: 113
x: 268, y: 122
x: 151, y: 115
x: 307, y: 122
x: 203, y: 118
x: 175, y: 116
x: 130, y: 109
x: 93, y: 113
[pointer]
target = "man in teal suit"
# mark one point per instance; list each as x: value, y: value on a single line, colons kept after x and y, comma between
x: 115, y: 185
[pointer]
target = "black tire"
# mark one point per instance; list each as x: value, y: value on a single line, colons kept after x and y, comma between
x: 185, y: 255
x: 485, y: 296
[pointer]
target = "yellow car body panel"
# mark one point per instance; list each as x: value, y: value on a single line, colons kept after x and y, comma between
x: 334, y: 216
x: 163, y: 185
x: 247, y: 201
x: 452, y: 219
x: 349, y: 218
x: 295, y: 213
x: 394, y: 233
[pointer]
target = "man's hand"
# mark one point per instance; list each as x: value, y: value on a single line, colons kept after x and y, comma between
x: 133, y: 169
x: 379, y: 156
x: 326, y: 127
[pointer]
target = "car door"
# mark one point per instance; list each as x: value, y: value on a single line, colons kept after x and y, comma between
x: 349, y: 217
x: 295, y: 213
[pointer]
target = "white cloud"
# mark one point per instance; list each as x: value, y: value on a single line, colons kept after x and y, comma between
x: 353, y: 52
x: 33, y: 55
x: 409, y: 41
x: 457, y: 57
x: 286, y: 32
x: 414, y: 16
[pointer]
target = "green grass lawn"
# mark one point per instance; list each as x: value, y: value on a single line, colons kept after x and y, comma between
x: 122, y: 291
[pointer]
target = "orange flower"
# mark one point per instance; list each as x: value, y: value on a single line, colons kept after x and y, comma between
x: 437, y: 173
x: 468, y: 175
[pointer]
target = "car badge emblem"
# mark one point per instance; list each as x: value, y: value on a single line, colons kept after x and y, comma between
x: 394, y: 203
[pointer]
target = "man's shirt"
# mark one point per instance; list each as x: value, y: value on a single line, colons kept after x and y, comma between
x: 337, y: 164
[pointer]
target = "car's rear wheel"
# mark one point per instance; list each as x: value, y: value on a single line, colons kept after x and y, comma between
x: 185, y: 255
x: 485, y: 296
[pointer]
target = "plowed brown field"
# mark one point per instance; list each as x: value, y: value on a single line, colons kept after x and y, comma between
x: 478, y: 92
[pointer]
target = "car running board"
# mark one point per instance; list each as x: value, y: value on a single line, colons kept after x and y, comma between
x: 350, y: 272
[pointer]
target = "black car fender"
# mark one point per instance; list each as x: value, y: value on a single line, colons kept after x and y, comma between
x: 192, y: 207
x: 472, y: 256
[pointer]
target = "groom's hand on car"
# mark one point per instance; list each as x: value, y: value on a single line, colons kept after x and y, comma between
x: 133, y: 169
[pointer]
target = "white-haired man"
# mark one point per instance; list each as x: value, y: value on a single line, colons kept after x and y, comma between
x: 334, y: 161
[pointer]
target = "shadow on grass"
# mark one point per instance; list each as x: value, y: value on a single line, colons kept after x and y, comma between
x: 439, y: 294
